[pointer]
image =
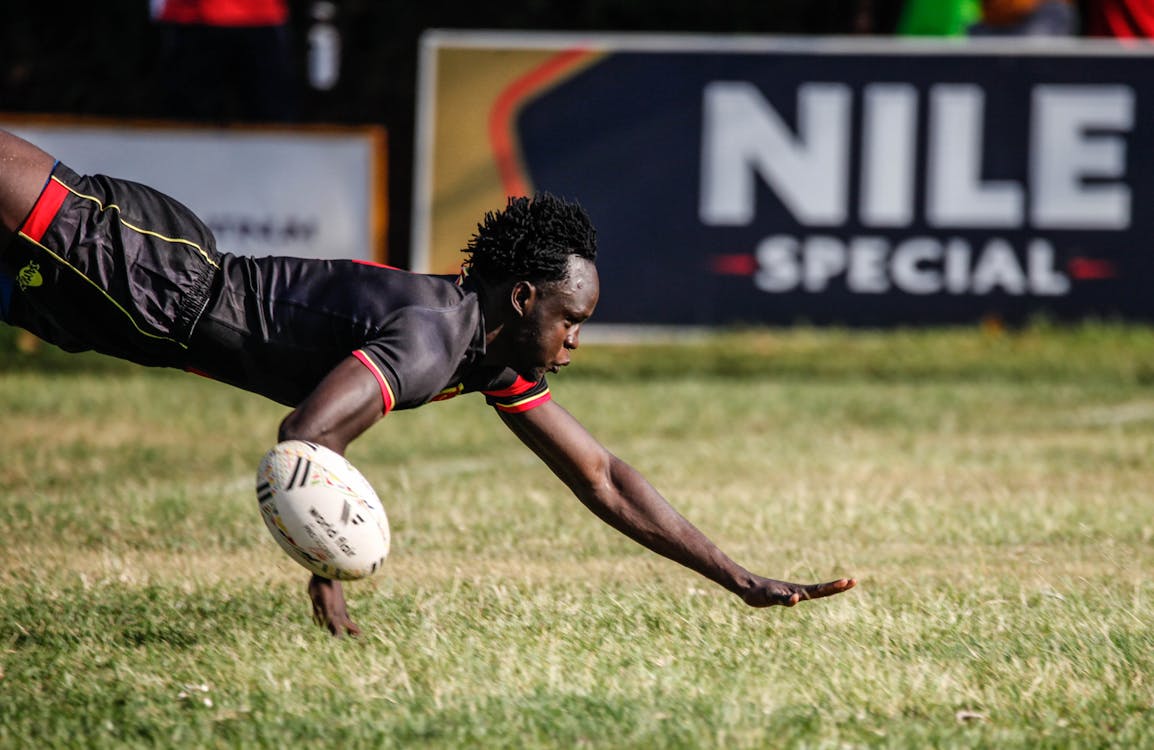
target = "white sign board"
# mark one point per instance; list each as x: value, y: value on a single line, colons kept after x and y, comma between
x: 305, y: 193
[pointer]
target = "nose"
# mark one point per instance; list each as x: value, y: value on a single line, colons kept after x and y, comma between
x: 573, y: 340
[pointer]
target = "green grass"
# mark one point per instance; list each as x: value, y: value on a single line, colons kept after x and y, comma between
x: 991, y: 491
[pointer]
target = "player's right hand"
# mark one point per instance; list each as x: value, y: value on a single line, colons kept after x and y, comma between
x: 766, y: 592
x: 329, y: 610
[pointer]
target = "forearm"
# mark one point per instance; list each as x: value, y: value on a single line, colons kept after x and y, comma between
x: 630, y: 504
x: 345, y: 404
x: 622, y: 498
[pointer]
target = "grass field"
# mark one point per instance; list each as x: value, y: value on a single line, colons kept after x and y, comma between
x: 991, y: 491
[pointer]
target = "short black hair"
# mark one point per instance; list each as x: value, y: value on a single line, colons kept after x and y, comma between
x: 531, y: 239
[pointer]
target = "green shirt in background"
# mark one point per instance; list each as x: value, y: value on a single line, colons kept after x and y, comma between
x: 939, y: 17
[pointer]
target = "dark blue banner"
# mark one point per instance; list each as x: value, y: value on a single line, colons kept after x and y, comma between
x: 857, y: 189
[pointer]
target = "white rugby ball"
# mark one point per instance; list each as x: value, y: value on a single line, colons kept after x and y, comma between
x: 322, y: 511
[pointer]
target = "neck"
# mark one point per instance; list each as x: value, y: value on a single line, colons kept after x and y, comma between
x: 493, y: 313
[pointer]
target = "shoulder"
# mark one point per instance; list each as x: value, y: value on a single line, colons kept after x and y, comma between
x: 420, y: 349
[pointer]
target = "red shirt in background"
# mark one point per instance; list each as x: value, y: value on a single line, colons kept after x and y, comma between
x: 223, y: 12
x: 1121, y: 19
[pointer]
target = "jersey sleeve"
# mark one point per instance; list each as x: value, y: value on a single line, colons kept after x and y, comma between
x: 378, y: 372
x: 519, y: 397
x: 414, y: 356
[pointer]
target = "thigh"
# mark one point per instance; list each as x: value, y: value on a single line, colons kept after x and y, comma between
x: 111, y: 265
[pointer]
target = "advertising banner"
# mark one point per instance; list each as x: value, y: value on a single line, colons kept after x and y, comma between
x: 752, y: 180
x: 304, y: 192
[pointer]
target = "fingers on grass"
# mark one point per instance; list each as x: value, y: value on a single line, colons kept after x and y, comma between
x: 821, y: 590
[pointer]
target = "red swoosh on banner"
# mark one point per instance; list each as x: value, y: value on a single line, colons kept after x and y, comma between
x: 733, y: 264
x: 510, y: 101
x: 1091, y: 269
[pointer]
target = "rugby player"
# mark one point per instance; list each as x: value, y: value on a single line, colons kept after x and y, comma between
x: 96, y: 263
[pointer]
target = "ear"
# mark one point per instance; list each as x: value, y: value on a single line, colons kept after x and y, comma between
x: 523, y: 296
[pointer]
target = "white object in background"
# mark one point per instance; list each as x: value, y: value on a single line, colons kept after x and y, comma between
x: 324, y: 43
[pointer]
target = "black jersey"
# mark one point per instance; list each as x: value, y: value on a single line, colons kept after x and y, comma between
x: 278, y: 325
x: 117, y: 267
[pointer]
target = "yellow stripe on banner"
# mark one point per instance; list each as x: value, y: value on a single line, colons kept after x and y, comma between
x: 120, y: 215
x: 106, y: 295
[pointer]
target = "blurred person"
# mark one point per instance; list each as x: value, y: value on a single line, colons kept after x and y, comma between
x: 1118, y: 19
x: 225, y: 60
x: 1026, y: 18
x: 97, y: 263
x: 877, y: 17
x: 938, y: 17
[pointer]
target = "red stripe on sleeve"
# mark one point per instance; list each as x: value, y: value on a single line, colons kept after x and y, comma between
x: 386, y: 391
x: 375, y: 264
x: 519, y: 386
x: 526, y: 405
x: 45, y: 210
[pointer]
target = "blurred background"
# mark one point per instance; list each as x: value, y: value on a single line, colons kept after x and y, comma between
x: 846, y: 162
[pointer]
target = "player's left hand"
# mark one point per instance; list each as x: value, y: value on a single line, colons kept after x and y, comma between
x: 766, y: 592
x: 329, y: 610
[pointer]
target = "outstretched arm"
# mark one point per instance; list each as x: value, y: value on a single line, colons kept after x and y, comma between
x: 345, y: 404
x: 621, y: 497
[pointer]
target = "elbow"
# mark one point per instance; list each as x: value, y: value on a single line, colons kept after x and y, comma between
x: 597, y: 486
x: 296, y: 427
x: 291, y: 428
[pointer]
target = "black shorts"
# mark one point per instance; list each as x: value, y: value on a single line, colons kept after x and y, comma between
x: 111, y: 266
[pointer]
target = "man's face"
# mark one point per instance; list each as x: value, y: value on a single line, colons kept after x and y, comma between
x: 551, y: 318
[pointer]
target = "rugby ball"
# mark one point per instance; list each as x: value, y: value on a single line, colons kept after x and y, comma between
x: 322, y: 511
